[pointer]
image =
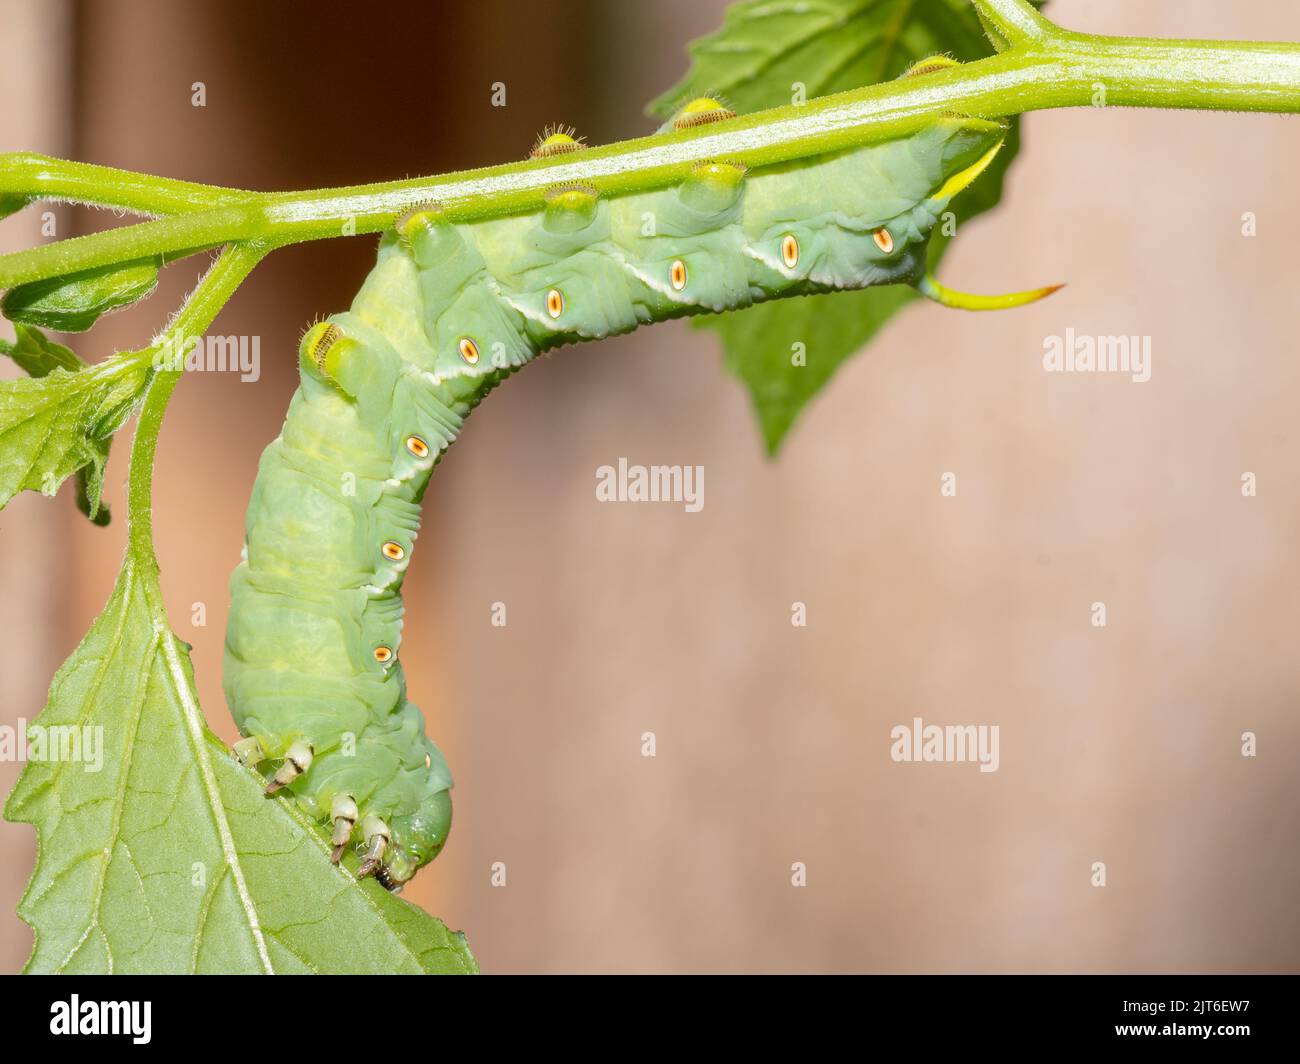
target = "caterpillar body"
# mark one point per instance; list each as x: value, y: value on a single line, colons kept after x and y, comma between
x: 449, y: 310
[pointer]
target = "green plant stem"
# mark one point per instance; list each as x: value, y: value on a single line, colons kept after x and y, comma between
x: 28, y: 174
x: 1043, y: 66
x: 199, y: 311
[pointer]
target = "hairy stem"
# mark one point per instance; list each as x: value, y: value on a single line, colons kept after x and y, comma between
x: 30, y: 175
x: 1042, y: 67
x: 199, y: 311
x: 1009, y: 22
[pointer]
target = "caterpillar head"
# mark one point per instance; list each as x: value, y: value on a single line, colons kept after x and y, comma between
x: 417, y: 839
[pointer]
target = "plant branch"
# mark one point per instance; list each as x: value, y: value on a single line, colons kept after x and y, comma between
x: 27, y: 175
x: 1044, y: 67
x: 1012, y: 22
x: 193, y: 319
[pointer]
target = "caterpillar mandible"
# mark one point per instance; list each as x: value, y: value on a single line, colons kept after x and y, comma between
x: 312, y: 671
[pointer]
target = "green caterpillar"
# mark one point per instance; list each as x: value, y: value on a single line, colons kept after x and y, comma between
x: 448, y: 312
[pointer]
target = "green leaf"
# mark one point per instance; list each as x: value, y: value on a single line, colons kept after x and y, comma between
x: 88, y: 498
x: 75, y: 301
x: 169, y: 858
x: 763, y: 48
x: 39, y: 355
x: 760, y: 343
x: 12, y: 204
x: 45, y: 432
x: 60, y: 421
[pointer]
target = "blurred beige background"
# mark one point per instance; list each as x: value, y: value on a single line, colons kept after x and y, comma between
x: 1119, y: 744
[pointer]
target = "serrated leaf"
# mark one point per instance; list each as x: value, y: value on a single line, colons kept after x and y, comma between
x: 118, y: 401
x: 762, y: 50
x: 60, y: 422
x: 44, y: 432
x: 54, y: 426
x: 75, y: 301
x: 766, y: 47
x: 34, y: 352
x: 169, y: 858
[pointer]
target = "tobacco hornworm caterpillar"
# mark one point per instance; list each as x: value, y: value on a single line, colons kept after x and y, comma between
x: 448, y: 312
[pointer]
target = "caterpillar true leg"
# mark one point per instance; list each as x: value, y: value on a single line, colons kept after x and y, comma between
x: 297, y: 760
x: 343, y: 812
x: 376, y: 835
